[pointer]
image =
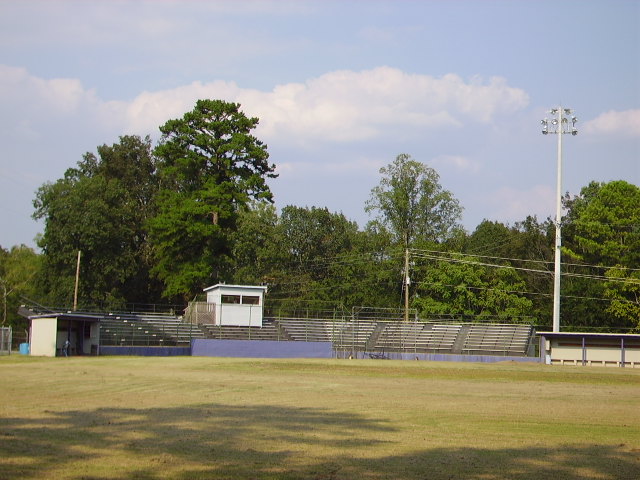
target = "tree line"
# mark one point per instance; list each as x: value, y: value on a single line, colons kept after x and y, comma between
x: 156, y: 224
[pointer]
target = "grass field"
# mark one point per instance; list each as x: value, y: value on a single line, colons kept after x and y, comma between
x: 210, y: 418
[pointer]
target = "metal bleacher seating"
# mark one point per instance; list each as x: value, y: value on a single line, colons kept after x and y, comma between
x: 373, y: 336
x: 418, y: 337
x: 355, y: 334
x: 399, y: 335
x: 268, y: 331
x: 342, y: 333
x: 442, y: 337
x: 147, y: 329
x: 387, y: 336
x: 308, y: 330
x: 498, y: 339
x: 469, y: 339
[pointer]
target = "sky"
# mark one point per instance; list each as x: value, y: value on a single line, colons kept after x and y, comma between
x: 340, y: 87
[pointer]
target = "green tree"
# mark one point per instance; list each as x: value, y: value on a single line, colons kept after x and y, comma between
x: 315, y: 243
x: 412, y: 204
x: 491, y: 239
x: 314, y: 236
x: 211, y: 166
x: 463, y: 286
x: 606, y: 219
x: 623, y: 288
x: 603, y: 232
x: 19, y: 268
x: 313, y: 259
x: 256, y: 252
x: 99, y: 208
x: 376, y: 269
x: 525, y: 246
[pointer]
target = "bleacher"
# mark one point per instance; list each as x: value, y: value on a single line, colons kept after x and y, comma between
x: 468, y: 339
x: 269, y: 331
x: 374, y: 336
x: 356, y: 334
x: 342, y: 333
x: 399, y: 335
x: 418, y: 337
x: 345, y: 334
x: 500, y: 339
x: 307, y: 330
x: 147, y: 329
x: 443, y: 337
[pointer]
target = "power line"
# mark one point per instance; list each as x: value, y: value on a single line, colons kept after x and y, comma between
x: 586, y: 265
x: 392, y: 255
x: 570, y: 274
x: 524, y: 292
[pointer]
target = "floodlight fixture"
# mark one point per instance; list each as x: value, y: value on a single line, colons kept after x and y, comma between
x: 560, y: 122
x: 545, y: 126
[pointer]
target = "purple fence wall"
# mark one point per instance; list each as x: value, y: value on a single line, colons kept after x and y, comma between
x: 443, y: 357
x: 260, y: 349
x: 436, y: 357
x: 145, y: 351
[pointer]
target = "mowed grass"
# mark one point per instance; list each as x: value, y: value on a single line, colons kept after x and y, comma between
x: 211, y: 418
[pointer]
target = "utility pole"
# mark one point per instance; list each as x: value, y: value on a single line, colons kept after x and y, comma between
x: 75, y: 292
x: 407, y: 282
x: 4, y: 316
x: 559, y: 126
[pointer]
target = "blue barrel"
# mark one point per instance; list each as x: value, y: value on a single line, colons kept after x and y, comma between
x: 24, y: 349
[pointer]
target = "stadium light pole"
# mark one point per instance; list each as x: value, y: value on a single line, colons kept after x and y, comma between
x: 558, y: 125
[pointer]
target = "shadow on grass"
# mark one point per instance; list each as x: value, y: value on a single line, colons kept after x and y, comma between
x: 249, y: 442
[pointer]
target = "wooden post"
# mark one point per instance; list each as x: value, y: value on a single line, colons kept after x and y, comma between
x: 75, y: 293
x: 407, y: 282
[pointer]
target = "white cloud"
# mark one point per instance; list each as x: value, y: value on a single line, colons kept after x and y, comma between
x: 59, y: 95
x: 624, y: 123
x: 360, y: 166
x: 382, y: 104
x: 55, y: 111
x: 338, y: 107
x: 458, y: 162
x: 343, y: 106
x: 146, y: 112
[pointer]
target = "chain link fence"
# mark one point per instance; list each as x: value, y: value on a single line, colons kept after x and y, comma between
x: 5, y: 340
